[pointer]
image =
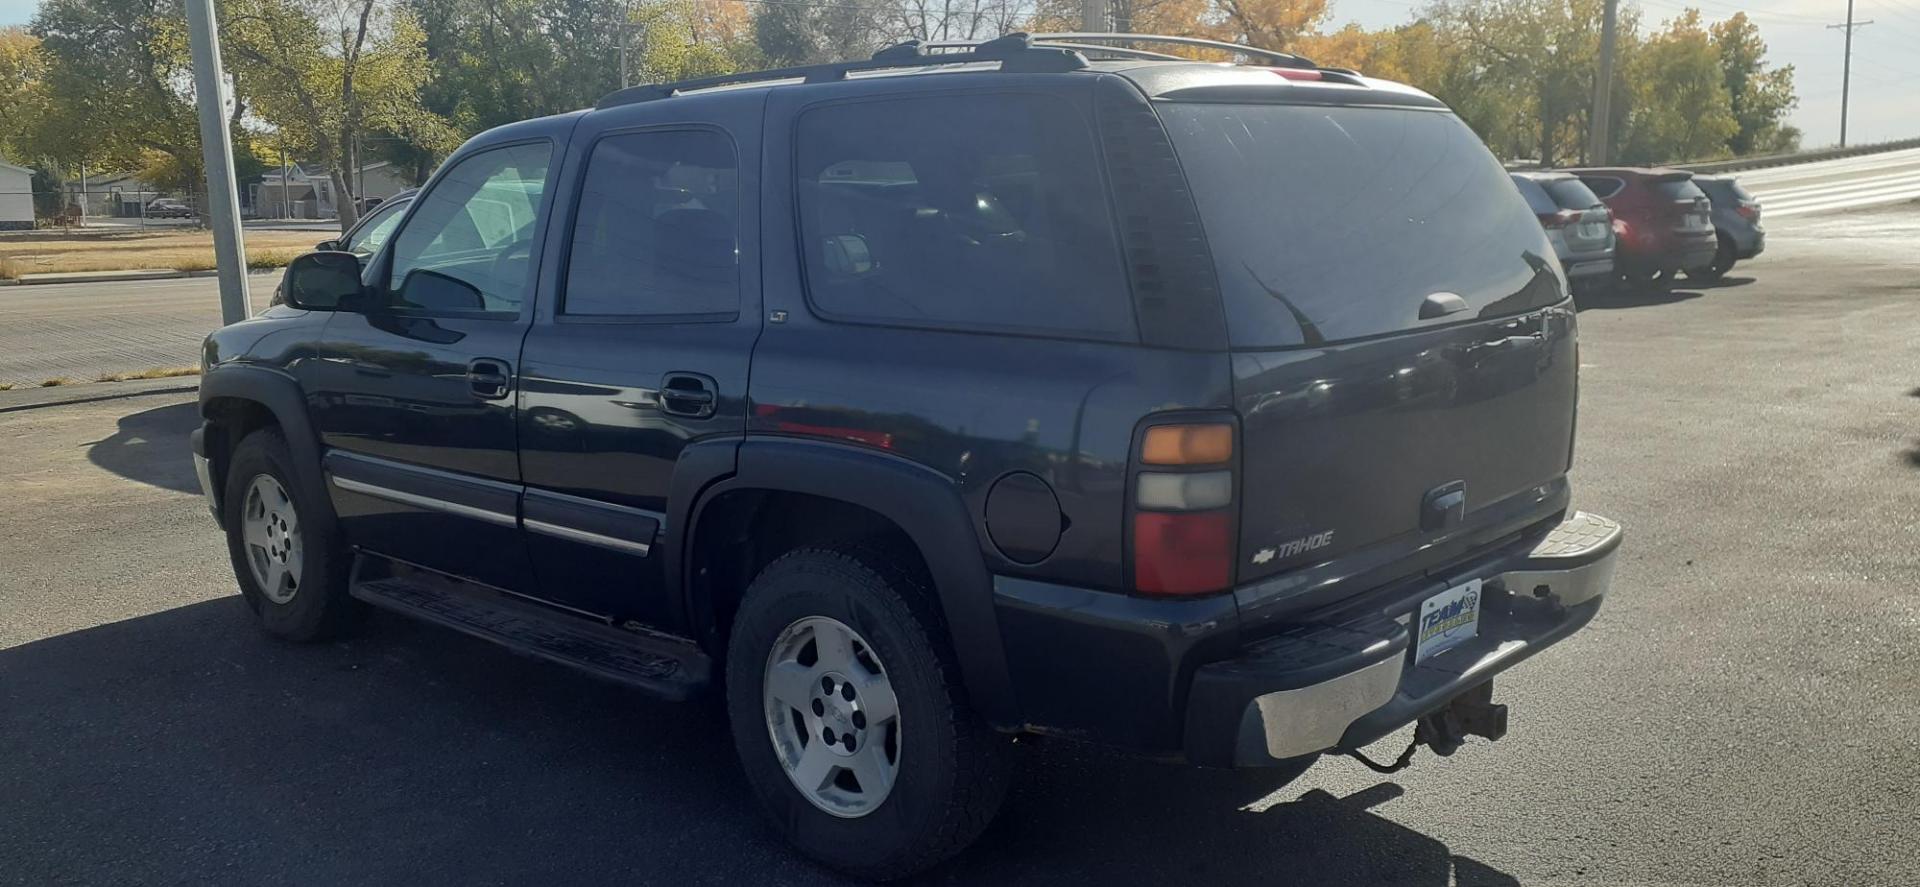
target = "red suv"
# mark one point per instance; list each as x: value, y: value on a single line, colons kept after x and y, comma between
x: 1662, y: 220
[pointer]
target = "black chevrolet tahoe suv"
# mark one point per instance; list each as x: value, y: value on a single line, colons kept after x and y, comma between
x: 1218, y: 412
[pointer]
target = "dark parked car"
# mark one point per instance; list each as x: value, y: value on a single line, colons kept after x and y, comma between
x: 370, y: 233
x: 1579, y: 226
x: 1663, y: 222
x: 169, y: 208
x: 1135, y: 400
x: 1736, y: 224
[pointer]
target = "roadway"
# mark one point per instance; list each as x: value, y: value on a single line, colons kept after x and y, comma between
x: 1742, y: 712
x: 1830, y: 185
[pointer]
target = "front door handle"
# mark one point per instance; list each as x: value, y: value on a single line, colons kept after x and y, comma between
x: 489, y: 378
x: 688, y: 394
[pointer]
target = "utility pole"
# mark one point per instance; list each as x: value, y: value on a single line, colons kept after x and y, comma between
x: 1602, y: 118
x: 1093, y: 16
x: 216, y: 152
x: 1846, y: 67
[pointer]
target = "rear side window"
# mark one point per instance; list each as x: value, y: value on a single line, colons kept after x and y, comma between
x: 963, y: 211
x: 1537, y: 198
x: 1335, y: 223
x: 1572, y: 194
x: 655, y: 232
x: 1603, y: 187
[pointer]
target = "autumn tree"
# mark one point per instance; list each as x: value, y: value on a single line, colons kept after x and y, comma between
x: 1760, y: 96
x: 1681, y: 109
x: 23, y: 96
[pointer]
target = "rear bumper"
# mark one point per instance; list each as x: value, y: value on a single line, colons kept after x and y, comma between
x: 1344, y: 684
x: 1171, y: 677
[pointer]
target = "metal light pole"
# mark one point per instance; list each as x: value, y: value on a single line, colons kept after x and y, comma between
x: 216, y: 152
x: 1093, y: 16
x: 1597, y: 140
x: 1846, y: 67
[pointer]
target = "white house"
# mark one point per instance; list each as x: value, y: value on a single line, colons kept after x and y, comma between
x: 16, y: 197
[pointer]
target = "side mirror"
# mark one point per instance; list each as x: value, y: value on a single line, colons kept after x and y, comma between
x: 322, y: 281
x: 434, y: 291
x: 847, y: 255
x: 330, y: 246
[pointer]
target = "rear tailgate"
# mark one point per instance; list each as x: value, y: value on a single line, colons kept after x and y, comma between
x: 1398, y: 325
x: 1681, y: 205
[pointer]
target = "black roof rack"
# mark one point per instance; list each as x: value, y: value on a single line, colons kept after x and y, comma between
x: 1281, y: 59
x: 1016, y: 53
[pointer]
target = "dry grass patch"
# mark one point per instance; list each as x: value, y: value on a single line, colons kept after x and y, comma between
x: 109, y: 250
x: 155, y: 373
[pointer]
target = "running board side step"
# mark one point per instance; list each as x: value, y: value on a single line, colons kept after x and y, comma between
x: 665, y: 666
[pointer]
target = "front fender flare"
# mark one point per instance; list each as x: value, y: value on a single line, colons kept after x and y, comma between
x: 280, y: 393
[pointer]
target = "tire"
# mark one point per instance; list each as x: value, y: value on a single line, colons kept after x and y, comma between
x: 293, y: 575
x: 1648, y: 280
x: 1722, y: 263
x: 951, y: 770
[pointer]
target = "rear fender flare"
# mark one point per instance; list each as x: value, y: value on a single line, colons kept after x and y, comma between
x: 927, y: 507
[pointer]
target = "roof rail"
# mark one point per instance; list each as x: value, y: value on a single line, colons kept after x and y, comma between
x: 1281, y: 59
x: 1016, y: 53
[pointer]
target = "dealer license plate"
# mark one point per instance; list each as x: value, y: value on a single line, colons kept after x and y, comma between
x: 1446, y: 619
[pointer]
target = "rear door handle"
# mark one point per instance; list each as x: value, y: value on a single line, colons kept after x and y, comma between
x: 688, y: 394
x: 489, y: 378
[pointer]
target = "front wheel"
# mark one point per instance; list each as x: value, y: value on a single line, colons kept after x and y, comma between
x: 286, y: 552
x: 850, y: 719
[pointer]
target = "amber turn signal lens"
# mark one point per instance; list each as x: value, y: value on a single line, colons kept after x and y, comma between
x: 1188, y: 445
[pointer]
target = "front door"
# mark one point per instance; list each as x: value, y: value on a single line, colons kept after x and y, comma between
x: 643, y: 351
x: 415, y: 391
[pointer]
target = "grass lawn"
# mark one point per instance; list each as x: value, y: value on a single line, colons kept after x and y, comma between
x: 40, y: 252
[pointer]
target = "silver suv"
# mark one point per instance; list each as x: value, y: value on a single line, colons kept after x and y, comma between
x: 1578, y: 224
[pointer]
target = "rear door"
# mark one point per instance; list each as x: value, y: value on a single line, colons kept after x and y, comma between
x: 641, y: 352
x: 1402, y: 349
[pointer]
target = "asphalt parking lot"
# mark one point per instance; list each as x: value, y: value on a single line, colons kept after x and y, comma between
x: 1746, y: 710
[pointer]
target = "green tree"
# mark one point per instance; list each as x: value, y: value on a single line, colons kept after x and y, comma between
x: 1681, y: 109
x: 120, y: 75
x: 1760, y: 96
x: 808, y: 33
x: 325, y: 75
x: 23, y: 97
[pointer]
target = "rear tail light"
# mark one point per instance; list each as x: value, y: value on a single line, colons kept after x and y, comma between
x: 1560, y: 219
x: 1182, y: 527
x: 1749, y: 211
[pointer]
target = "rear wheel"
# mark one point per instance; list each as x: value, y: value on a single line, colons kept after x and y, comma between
x: 286, y: 551
x: 850, y: 719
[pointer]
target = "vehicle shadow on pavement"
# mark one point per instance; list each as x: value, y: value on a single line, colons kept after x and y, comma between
x: 151, y: 447
x: 1611, y: 299
x: 1721, y: 284
x: 185, y: 746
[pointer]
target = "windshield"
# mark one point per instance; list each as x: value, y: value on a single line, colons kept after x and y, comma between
x: 1334, y: 223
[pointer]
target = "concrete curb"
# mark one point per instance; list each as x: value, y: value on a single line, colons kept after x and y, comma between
x: 100, y: 276
x: 116, y: 276
x: 91, y: 392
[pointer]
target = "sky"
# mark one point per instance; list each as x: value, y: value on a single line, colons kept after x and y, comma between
x: 1886, y: 68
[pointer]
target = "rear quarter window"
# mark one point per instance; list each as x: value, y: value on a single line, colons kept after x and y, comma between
x: 1336, y: 223
x: 971, y: 211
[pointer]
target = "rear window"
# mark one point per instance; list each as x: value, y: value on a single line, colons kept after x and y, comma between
x: 1537, y: 197
x: 1335, y: 223
x: 1682, y: 189
x: 983, y: 212
x: 1603, y: 187
x: 1572, y: 194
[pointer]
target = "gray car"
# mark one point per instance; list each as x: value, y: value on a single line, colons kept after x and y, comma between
x: 1736, y: 219
x: 1577, y: 223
